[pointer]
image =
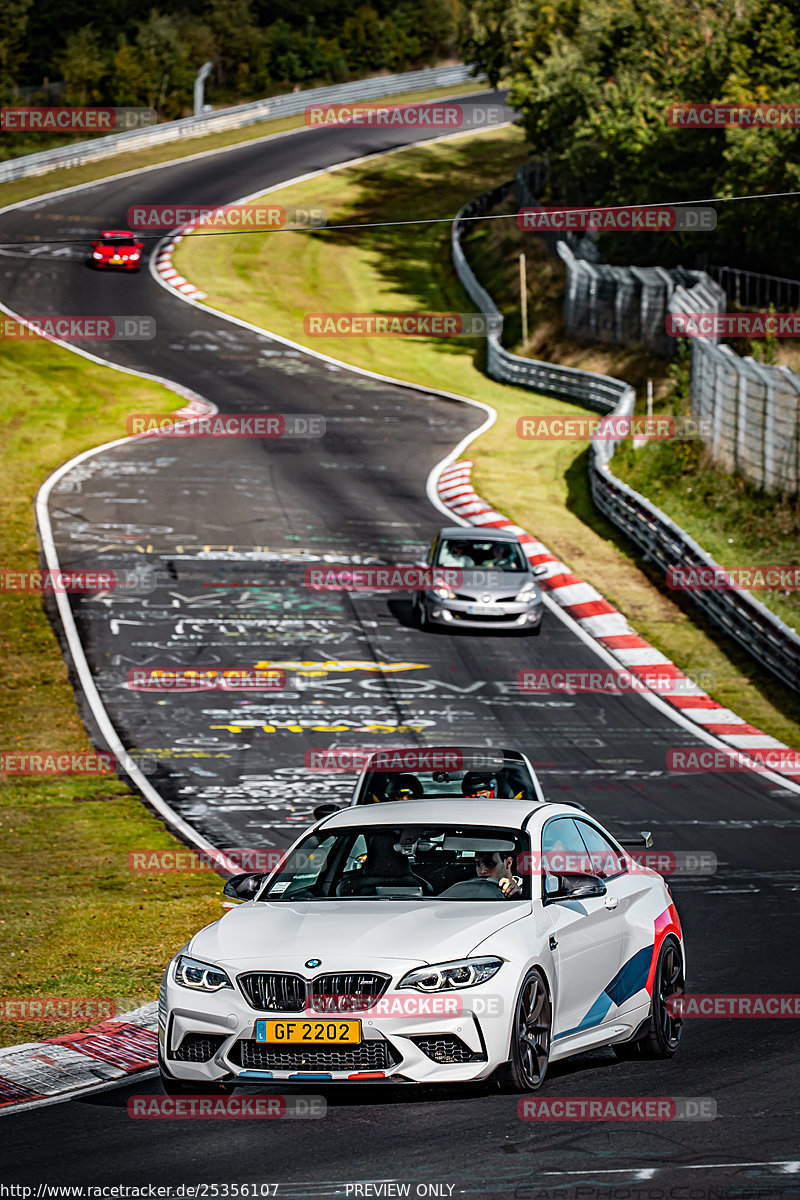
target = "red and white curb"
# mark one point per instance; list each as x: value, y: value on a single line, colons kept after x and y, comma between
x: 602, y: 622
x: 101, y: 1053
x: 169, y: 274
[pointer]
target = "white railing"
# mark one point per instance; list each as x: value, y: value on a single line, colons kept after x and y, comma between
x: 288, y: 105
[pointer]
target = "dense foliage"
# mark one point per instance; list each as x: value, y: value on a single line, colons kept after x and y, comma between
x: 593, y: 81
x: 113, y: 52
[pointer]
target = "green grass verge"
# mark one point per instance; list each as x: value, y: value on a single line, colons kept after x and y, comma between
x: 135, y: 160
x: 73, y: 920
x: 274, y: 281
x: 733, y: 520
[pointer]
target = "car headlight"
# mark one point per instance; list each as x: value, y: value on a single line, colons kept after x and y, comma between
x: 133, y: 257
x: 201, y: 976
x: 96, y: 254
x: 444, y: 593
x: 527, y: 592
x: 446, y: 977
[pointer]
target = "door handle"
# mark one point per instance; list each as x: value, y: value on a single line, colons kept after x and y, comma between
x: 611, y: 902
x: 553, y: 942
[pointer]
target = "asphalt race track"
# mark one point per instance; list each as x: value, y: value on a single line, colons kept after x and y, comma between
x: 233, y: 525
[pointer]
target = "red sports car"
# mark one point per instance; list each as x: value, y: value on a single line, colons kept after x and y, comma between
x: 117, y: 249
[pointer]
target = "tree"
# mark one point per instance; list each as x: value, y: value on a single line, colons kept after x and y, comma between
x: 83, y: 66
x: 12, y: 39
x: 486, y: 36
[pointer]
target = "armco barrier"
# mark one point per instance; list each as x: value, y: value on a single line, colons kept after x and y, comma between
x: 288, y: 105
x: 739, y: 614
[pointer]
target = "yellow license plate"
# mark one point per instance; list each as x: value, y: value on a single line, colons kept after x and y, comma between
x: 309, y: 1033
x: 116, y: 258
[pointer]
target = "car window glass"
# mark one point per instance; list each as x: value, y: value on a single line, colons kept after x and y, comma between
x: 357, y: 855
x: 470, y: 554
x: 407, y: 862
x: 305, y: 866
x: 563, y: 849
x: 606, y: 860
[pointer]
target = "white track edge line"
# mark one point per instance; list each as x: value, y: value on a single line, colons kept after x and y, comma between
x: 431, y: 484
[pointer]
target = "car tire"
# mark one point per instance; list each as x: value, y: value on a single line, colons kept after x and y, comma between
x: 183, y: 1087
x: 662, y: 1033
x: 529, y: 1054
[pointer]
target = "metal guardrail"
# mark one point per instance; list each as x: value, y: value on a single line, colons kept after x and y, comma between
x: 289, y: 105
x: 739, y: 614
x: 745, y: 288
x: 599, y: 391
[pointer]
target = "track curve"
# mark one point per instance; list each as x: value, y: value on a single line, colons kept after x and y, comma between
x: 233, y: 532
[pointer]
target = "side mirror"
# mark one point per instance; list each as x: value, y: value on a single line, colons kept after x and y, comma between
x: 325, y: 810
x: 539, y: 570
x: 95, y: 245
x: 573, y: 887
x: 644, y: 839
x: 243, y: 887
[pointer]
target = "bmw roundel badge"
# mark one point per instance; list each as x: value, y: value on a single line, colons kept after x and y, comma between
x: 314, y: 962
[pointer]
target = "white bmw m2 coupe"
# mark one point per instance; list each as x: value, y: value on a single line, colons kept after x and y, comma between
x: 428, y: 942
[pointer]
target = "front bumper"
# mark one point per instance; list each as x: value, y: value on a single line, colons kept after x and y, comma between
x: 456, y: 614
x: 400, y: 1049
x: 105, y: 265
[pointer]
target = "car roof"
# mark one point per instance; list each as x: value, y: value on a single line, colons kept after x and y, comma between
x: 480, y: 534
x: 119, y: 233
x: 475, y: 752
x: 513, y: 814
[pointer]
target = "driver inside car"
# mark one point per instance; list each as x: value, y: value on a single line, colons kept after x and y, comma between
x: 491, y: 865
x: 478, y: 784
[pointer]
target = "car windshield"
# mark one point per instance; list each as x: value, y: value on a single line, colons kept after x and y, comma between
x: 485, y: 554
x: 405, y: 862
x: 118, y: 239
x: 501, y: 779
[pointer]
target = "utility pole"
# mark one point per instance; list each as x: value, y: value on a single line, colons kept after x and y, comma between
x: 199, y: 87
